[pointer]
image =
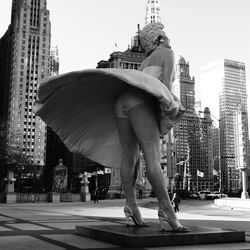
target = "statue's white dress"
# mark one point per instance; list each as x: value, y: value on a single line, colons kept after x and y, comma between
x: 80, y: 107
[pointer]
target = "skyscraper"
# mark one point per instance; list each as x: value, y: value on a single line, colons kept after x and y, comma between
x: 27, y: 45
x: 227, y: 81
x: 153, y: 10
x: 28, y: 50
x: 183, y: 88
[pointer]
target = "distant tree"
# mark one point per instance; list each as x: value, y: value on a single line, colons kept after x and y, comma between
x: 11, y: 155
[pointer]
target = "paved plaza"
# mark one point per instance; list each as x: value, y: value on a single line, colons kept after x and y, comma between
x: 52, y: 225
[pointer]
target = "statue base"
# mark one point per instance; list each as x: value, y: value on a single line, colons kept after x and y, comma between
x: 54, y: 197
x: 131, y: 236
x: 85, y: 197
x: 10, y: 197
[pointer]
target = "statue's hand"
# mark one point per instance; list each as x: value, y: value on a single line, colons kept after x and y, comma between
x: 170, y: 115
x: 174, y: 109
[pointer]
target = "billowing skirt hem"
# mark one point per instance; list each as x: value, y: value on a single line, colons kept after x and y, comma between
x: 80, y: 107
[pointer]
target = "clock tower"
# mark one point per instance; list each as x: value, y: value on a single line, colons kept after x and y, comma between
x: 153, y: 12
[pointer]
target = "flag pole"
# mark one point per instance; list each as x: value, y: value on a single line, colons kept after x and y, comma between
x: 197, y: 180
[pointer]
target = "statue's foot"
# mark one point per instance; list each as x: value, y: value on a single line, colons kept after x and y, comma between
x: 172, y: 222
x: 136, y: 218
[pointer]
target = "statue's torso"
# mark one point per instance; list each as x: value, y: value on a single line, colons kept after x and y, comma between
x: 155, y: 71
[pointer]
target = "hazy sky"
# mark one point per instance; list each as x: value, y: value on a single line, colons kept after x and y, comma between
x: 202, y: 31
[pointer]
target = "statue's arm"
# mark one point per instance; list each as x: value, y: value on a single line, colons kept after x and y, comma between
x: 168, y: 74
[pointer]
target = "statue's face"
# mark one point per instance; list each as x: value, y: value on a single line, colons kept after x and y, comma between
x: 165, y: 42
x: 148, y: 48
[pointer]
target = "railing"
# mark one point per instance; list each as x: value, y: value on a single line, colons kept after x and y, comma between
x: 43, y: 197
x: 70, y: 197
x: 31, y: 198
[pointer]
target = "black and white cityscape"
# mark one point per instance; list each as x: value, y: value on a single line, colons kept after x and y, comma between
x: 205, y: 157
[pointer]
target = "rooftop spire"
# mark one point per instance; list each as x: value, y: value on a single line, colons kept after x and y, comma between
x: 153, y: 12
x: 135, y: 42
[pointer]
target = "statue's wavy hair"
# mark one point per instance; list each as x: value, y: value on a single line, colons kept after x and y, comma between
x: 151, y: 35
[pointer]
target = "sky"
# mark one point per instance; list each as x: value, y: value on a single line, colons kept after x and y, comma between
x: 202, y: 31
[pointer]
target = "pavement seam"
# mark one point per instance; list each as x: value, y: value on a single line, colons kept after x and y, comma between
x: 55, y: 242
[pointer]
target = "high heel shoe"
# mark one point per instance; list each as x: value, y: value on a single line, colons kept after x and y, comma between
x: 163, y: 217
x: 129, y: 214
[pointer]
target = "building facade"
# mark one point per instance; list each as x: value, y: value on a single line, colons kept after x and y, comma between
x: 28, y: 46
x: 128, y: 59
x: 192, y: 135
x: 227, y: 78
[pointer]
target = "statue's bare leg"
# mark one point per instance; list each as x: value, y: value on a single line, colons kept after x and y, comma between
x: 143, y: 120
x: 130, y: 147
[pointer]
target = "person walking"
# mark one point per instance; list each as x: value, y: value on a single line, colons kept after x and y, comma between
x: 140, y: 194
x: 176, y: 201
x: 96, y: 196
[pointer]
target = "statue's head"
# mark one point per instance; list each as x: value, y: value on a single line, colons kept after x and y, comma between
x: 152, y: 35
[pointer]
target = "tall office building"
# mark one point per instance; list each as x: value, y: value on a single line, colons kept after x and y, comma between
x: 223, y: 89
x: 192, y: 135
x: 183, y: 88
x: 28, y: 46
x: 153, y: 12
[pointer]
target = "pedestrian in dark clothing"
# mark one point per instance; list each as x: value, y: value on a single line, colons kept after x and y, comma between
x: 176, y: 201
x: 140, y: 194
x: 96, y: 196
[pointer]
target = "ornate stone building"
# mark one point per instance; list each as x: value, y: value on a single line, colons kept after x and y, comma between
x: 192, y: 136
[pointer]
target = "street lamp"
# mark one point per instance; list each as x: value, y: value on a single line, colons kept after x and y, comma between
x: 220, y: 174
x: 186, y: 173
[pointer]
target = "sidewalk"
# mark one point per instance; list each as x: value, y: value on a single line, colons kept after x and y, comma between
x: 52, y: 225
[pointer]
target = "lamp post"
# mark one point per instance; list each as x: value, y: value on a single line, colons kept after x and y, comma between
x: 183, y: 163
x: 219, y: 157
x: 239, y: 151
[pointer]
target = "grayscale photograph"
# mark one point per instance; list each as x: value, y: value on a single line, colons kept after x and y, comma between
x: 124, y: 124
